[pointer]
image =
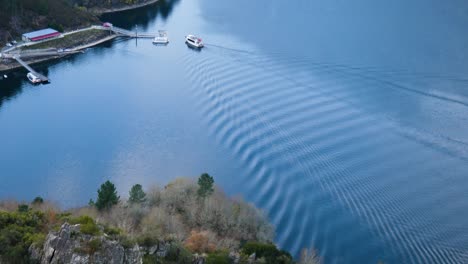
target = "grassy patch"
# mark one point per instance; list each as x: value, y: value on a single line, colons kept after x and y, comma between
x: 147, y: 240
x: 72, y: 40
x: 150, y: 259
x: 219, y: 257
x: 94, y: 246
x: 127, y: 242
x: 87, y: 225
x: 112, y: 231
x: 89, y: 248
x: 267, y: 251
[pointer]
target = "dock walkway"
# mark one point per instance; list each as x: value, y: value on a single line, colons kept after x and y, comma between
x: 25, y: 65
x: 19, y: 55
x: 131, y: 34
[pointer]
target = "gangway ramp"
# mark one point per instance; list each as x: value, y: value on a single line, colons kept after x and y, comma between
x: 25, y: 65
x: 132, y: 34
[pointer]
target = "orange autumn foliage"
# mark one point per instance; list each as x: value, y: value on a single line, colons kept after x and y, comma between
x: 199, y: 242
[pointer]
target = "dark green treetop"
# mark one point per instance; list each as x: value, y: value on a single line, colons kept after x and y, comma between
x: 38, y: 200
x: 205, y: 185
x: 137, y: 195
x: 107, y: 196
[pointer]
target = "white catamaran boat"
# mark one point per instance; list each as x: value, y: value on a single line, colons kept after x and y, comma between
x: 33, y: 78
x: 194, y: 41
x: 162, y: 38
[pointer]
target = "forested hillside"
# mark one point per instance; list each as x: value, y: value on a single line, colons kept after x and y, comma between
x: 19, y: 16
x: 107, y: 3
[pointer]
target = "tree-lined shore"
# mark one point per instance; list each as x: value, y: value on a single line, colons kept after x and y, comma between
x: 20, y: 16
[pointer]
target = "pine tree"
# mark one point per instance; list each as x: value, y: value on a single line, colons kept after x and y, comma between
x: 107, y: 196
x: 205, y: 185
x: 38, y: 200
x: 137, y: 195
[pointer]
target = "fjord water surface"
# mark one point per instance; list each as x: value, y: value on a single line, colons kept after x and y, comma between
x: 345, y: 121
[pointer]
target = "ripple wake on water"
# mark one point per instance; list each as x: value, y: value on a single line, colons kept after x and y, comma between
x: 329, y: 171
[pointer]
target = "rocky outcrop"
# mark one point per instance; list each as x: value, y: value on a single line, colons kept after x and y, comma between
x: 70, y: 246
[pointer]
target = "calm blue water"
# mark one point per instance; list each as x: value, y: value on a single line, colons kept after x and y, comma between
x: 346, y: 121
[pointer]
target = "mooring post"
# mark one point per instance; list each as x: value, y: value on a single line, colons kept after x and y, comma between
x: 136, y: 35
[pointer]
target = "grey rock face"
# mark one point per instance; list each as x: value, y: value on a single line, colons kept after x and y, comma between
x: 198, y: 259
x: 70, y: 246
x: 162, y: 249
x: 252, y: 258
x: 234, y: 257
x: 133, y: 255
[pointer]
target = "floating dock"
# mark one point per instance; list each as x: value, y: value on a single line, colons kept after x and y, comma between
x: 12, y: 53
x: 132, y: 34
x: 25, y: 65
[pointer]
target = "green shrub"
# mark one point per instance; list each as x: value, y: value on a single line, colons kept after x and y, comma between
x: 89, y: 229
x: 127, y: 242
x: 37, y: 239
x: 178, y: 254
x: 23, y: 208
x: 56, y: 26
x: 94, y: 246
x: 64, y: 217
x: 147, y: 240
x: 89, y: 248
x: 80, y: 250
x: 84, y: 219
x: 18, y: 230
x: 87, y: 225
x: 220, y: 257
x: 268, y: 251
x: 150, y: 259
x: 260, y: 249
x: 112, y: 231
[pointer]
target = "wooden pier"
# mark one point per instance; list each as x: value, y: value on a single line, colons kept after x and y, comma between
x: 132, y: 34
x: 19, y: 55
x: 25, y: 65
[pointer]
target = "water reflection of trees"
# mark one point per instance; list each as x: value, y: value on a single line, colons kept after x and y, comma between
x: 142, y: 17
x: 14, y: 84
x: 17, y: 81
x: 10, y: 87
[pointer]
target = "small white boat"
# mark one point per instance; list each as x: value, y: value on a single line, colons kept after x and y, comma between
x: 194, y: 41
x: 5, y: 76
x: 162, y: 38
x: 33, y: 78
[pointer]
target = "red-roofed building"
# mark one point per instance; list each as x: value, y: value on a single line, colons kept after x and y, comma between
x: 41, y: 35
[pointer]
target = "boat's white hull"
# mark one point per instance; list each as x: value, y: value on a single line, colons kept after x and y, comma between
x: 34, y: 82
x: 33, y: 79
x: 161, y: 41
x: 193, y: 41
x: 193, y: 45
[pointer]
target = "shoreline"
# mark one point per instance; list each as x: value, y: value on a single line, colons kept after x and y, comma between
x: 14, y: 65
x: 101, y: 11
x: 98, y: 11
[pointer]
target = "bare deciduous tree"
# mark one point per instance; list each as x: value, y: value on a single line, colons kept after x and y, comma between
x: 309, y: 256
